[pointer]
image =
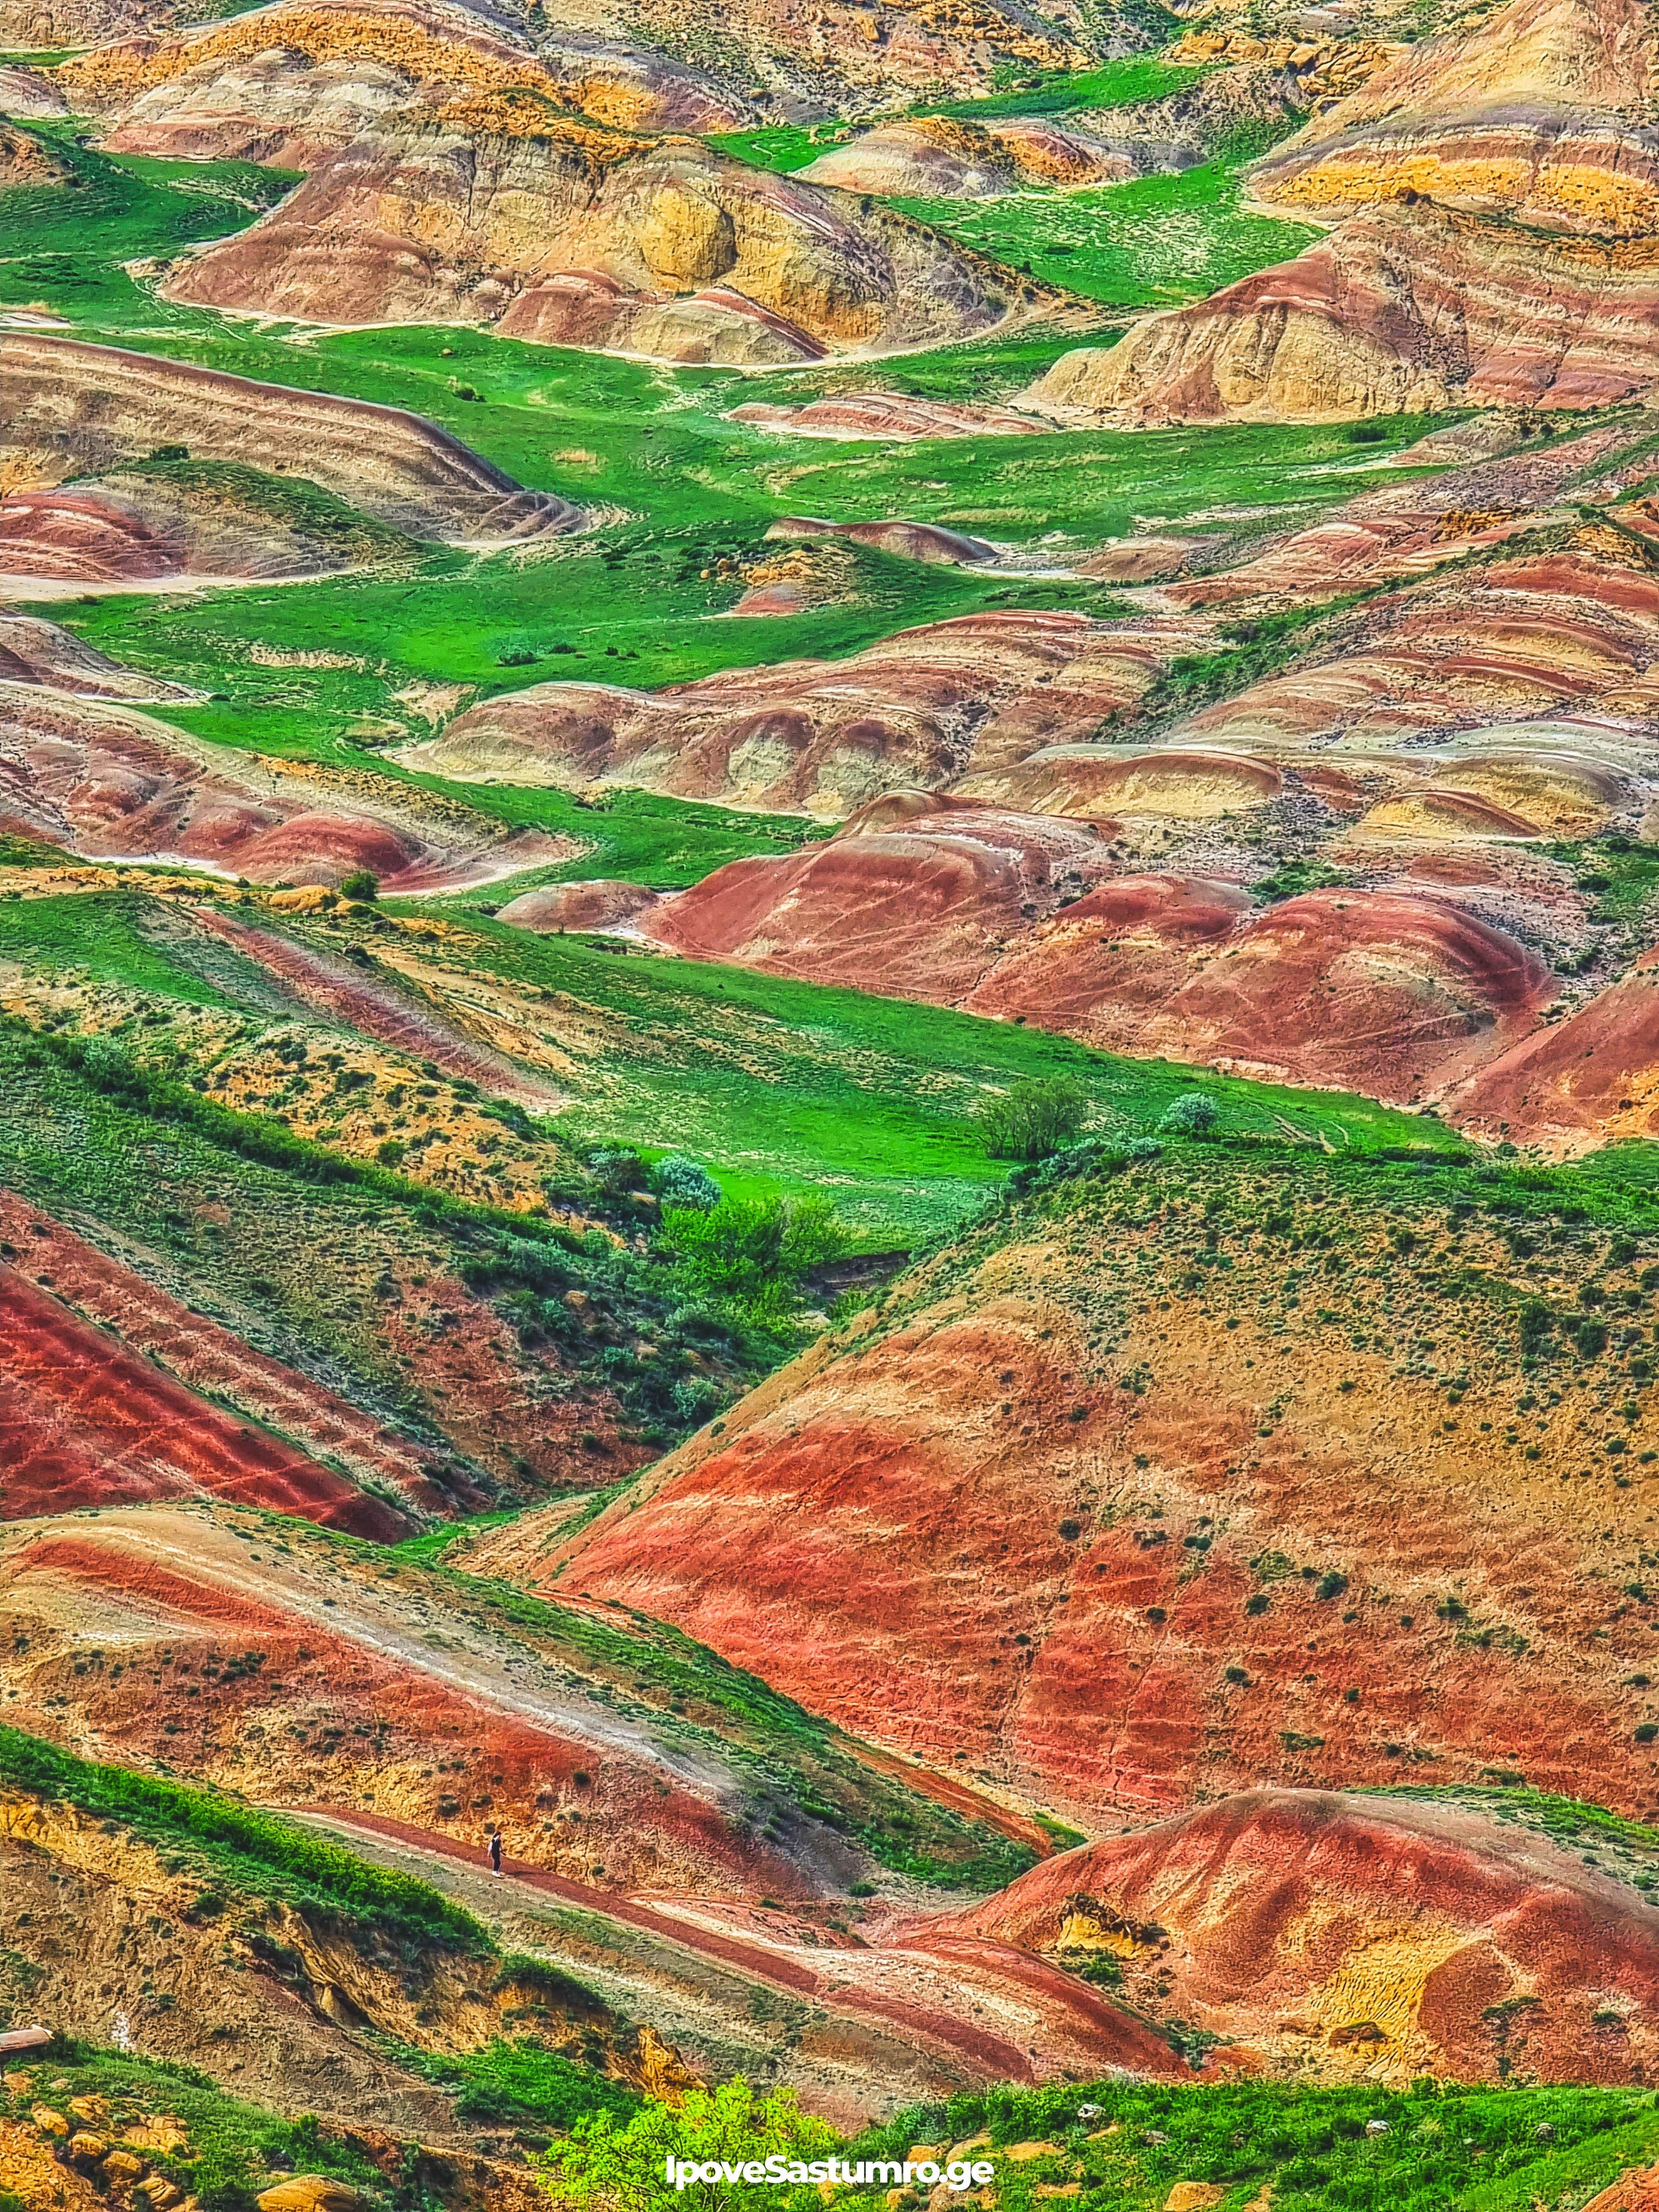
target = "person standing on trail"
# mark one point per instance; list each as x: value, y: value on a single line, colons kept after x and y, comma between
x: 494, y: 1850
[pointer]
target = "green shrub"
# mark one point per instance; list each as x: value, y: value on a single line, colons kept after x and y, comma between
x: 1194, y: 1114
x: 1032, y: 1119
x: 508, y: 2082
x: 260, y: 1852
x: 619, y: 1169
x: 361, y: 884
x: 751, y: 1255
x: 678, y: 1181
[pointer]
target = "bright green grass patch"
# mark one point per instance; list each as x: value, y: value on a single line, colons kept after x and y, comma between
x: 426, y: 1547
x: 775, y: 1085
x: 99, y: 936
x: 779, y: 1085
x: 1157, y: 242
x: 65, y: 245
x: 635, y: 610
x: 258, y: 1853
x: 508, y: 2083
x: 1116, y: 84
x: 1446, y: 2148
x: 780, y: 146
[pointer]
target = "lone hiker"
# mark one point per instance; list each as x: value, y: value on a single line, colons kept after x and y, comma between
x: 494, y: 1850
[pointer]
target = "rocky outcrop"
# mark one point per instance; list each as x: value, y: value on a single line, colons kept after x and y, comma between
x: 50, y: 26
x: 25, y: 162
x: 908, y: 541
x: 888, y: 416
x: 26, y: 92
x: 1351, y: 1938
x: 104, y: 783
x: 1544, y: 112
x: 1398, y: 309
x: 90, y: 408
x: 1392, y: 992
x: 119, y: 1316
x: 613, y: 1794
x: 856, y: 58
x: 942, y: 157
x: 186, y: 519
x: 1589, y: 1081
x: 506, y: 216
x: 1533, y: 635
x: 916, y: 711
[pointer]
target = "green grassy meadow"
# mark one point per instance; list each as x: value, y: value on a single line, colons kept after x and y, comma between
x: 774, y: 1085
x: 1157, y: 242
x: 785, y: 146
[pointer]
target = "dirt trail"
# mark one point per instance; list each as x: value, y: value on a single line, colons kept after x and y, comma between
x: 984, y: 2011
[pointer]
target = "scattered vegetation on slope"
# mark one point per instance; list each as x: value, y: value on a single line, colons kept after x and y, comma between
x: 1431, y: 2148
x: 252, y: 1851
x: 645, y: 1668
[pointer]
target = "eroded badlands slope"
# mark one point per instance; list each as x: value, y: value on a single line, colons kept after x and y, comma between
x: 508, y: 215
x: 1219, y: 1470
x: 1368, y: 867
x: 1493, y: 191
x: 75, y: 410
x: 302, y: 1669
x: 1340, y: 1936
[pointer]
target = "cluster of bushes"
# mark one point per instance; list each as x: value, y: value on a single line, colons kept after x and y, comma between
x: 744, y: 1258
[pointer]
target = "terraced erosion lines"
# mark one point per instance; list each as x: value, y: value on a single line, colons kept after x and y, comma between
x: 92, y: 407
x: 84, y: 1421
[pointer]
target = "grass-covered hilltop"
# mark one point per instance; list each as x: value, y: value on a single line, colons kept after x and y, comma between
x: 828, y: 1108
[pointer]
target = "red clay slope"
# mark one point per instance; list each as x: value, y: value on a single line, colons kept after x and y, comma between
x: 1388, y: 991
x: 1590, y: 1078
x: 162, y: 1635
x: 917, y: 911
x: 83, y: 1421
x: 1087, y: 1516
x: 205, y: 1356
x: 1347, y: 1936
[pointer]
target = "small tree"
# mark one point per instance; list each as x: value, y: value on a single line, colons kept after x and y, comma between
x: 361, y: 884
x: 678, y: 1181
x: 607, y: 2166
x: 1194, y: 1114
x: 1033, y: 1119
x: 750, y: 1254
